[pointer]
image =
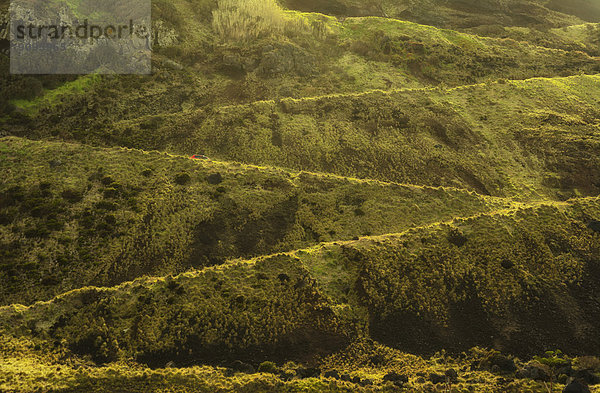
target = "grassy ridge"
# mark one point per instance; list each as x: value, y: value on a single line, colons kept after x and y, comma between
x: 580, y: 37
x: 268, y: 309
x: 457, y: 14
x: 510, y: 276
x: 506, y: 274
x: 521, y: 138
x: 73, y: 215
x: 524, y: 139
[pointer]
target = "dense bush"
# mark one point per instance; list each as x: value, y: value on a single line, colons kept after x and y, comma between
x: 268, y: 367
x: 248, y: 19
x: 182, y: 179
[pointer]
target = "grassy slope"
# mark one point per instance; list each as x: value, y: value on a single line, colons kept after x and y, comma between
x: 356, y: 55
x: 542, y: 23
x: 75, y: 215
x: 537, y: 129
x: 506, y: 275
x: 580, y: 37
x: 421, y: 282
x: 457, y: 14
x: 524, y: 139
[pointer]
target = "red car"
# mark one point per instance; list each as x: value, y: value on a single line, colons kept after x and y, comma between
x: 198, y: 157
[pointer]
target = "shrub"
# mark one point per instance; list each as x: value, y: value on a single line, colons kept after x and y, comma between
x: 49, y: 280
x: 552, y: 361
x: 359, y: 212
x: 111, y: 193
x: 267, y: 367
x: 103, y: 205
x: 12, y: 196
x: 587, y: 363
x: 45, y: 186
x: 248, y: 19
x: 53, y: 224
x: 215, y: 178
x: 5, y: 219
x: 182, y: 179
x: 107, y: 180
x: 39, y: 231
x: 110, y: 219
x: 6, y: 106
x: 456, y: 237
x: 29, y: 89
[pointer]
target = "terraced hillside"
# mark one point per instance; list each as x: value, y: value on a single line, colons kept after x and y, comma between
x: 390, y: 196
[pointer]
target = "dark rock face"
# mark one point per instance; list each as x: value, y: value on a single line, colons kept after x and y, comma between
x: 587, y: 377
x: 333, y: 7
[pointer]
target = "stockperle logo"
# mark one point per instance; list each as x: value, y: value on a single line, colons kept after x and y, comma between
x: 80, y: 37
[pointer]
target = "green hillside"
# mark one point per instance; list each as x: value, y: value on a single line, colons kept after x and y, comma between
x: 449, y: 285
x: 194, y: 68
x: 457, y: 14
x: 90, y: 216
x: 387, y: 196
x: 521, y: 139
